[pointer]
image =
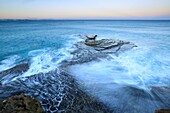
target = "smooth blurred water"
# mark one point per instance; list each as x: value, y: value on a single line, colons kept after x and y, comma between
x: 45, y: 43
x: 41, y: 39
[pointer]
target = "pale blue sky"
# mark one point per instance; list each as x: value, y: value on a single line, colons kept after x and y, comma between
x: 84, y: 8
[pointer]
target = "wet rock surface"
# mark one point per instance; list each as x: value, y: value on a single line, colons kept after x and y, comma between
x: 58, y: 91
x: 19, y: 69
x: 92, y: 50
x: 13, y: 72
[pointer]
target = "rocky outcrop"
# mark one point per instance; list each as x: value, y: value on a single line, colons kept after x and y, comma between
x: 20, y: 104
x: 86, y: 51
x: 113, y: 45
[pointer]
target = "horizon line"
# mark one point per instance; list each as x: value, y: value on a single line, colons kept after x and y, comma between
x: 84, y: 18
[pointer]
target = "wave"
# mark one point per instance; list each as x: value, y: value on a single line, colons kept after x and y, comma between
x: 138, y: 76
x: 139, y: 67
x: 9, y: 62
x: 45, y: 60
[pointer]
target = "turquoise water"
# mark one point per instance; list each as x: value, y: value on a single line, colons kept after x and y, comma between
x: 21, y: 39
x: 45, y: 43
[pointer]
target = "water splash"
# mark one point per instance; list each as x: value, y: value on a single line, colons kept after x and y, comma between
x: 134, y: 76
x: 9, y: 62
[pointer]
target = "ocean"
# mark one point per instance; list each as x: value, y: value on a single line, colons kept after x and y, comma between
x: 44, y: 44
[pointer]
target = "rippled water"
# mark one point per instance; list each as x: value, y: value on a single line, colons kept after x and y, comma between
x: 135, y: 80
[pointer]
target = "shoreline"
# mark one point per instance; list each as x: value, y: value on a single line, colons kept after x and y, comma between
x: 60, y: 91
x: 57, y: 90
x: 74, y: 99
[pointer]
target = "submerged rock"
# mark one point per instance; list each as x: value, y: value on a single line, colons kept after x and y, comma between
x: 20, y: 104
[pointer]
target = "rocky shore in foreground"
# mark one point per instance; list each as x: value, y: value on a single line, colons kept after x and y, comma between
x: 58, y: 91
x: 20, y: 104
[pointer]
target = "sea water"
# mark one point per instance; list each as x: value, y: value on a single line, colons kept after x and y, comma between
x: 46, y: 43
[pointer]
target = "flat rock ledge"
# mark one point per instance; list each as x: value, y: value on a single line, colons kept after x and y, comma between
x: 90, y: 50
x: 103, y: 44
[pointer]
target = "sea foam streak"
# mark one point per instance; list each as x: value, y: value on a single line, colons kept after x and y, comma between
x: 45, y: 60
x: 135, y: 81
x: 112, y: 80
x: 133, y: 67
x: 9, y: 62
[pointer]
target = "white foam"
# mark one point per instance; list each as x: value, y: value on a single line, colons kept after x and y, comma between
x: 9, y: 62
x: 112, y: 81
x: 136, y: 67
x: 45, y: 60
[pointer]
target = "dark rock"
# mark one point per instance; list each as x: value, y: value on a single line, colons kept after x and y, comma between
x: 163, y: 111
x: 13, y: 72
x: 162, y: 96
x: 91, y: 37
x: 104, y: 44
x: 18, y: 69
x: 20, y: 104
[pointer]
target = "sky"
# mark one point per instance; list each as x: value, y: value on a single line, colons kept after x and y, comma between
x: 53, y: 9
